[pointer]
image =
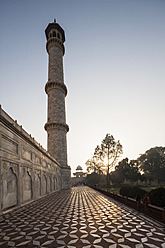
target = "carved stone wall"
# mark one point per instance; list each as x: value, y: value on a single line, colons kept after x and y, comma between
x: 27, y: 171
x: 44, y: 185
x: 37, y: 184
x: 10, y: 189
x: 27, y: 185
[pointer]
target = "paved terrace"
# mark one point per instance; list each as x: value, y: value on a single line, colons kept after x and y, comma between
x: 80, y: 217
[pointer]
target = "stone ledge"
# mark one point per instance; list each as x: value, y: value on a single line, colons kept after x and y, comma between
x: 52, y: 125
x: 52, y: 85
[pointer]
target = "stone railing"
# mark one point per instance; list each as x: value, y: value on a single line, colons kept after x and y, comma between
x: 154, y: 212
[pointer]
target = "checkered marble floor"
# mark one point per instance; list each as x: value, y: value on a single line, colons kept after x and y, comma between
x: 80, y: 217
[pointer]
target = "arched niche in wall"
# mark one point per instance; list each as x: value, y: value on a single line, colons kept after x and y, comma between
x: 44, y: 185
x: 27, y: 186
x: 49, y: 184
x: 37, y: 184
x: 54, y: 183
x: 57, y: 184
x: 9, y: 189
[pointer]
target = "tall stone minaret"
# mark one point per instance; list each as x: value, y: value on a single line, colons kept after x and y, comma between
x: 56, y: 90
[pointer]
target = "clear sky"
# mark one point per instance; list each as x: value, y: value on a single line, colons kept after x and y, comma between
x: 114, y: 69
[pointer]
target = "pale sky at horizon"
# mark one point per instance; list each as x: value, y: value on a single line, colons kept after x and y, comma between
x: 114, y: 69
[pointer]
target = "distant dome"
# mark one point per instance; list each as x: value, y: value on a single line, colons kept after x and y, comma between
x: 79, y: 167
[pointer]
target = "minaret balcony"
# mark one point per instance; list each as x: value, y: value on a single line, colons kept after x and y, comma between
x: 53, y: 40
x: 55, y: 125
x: 53, y: 85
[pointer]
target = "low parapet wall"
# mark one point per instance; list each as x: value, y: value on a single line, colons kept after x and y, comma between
x: 150, y: 210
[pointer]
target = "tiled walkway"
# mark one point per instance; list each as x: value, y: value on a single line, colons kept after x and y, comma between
x: 80, y: 217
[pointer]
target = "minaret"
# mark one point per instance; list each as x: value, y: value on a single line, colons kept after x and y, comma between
x: 56, y: 90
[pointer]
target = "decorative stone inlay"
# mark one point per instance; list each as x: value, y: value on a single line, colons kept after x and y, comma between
x: 9, y: 144
x: 80, y: 217
x: 52, y: 85
x: 8, y: 165
x: 52, y: 125
x: 26, y: 154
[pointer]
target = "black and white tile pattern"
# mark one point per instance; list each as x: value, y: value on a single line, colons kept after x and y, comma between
x: 80, y: 217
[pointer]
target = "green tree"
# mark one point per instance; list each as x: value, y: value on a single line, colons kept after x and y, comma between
x: 133, y: 174
x: 109, y: 153
x: 94, y: 164
x: 95, y: 179
x: 105, y: 157
x: 126, y: 170
x: 121, y: 172
x: 152, y: 163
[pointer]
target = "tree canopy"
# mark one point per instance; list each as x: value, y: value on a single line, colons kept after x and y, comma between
x: 148, y: 167
x: 105, y: 156
x: 152, y: 163
x: 126, y: 170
